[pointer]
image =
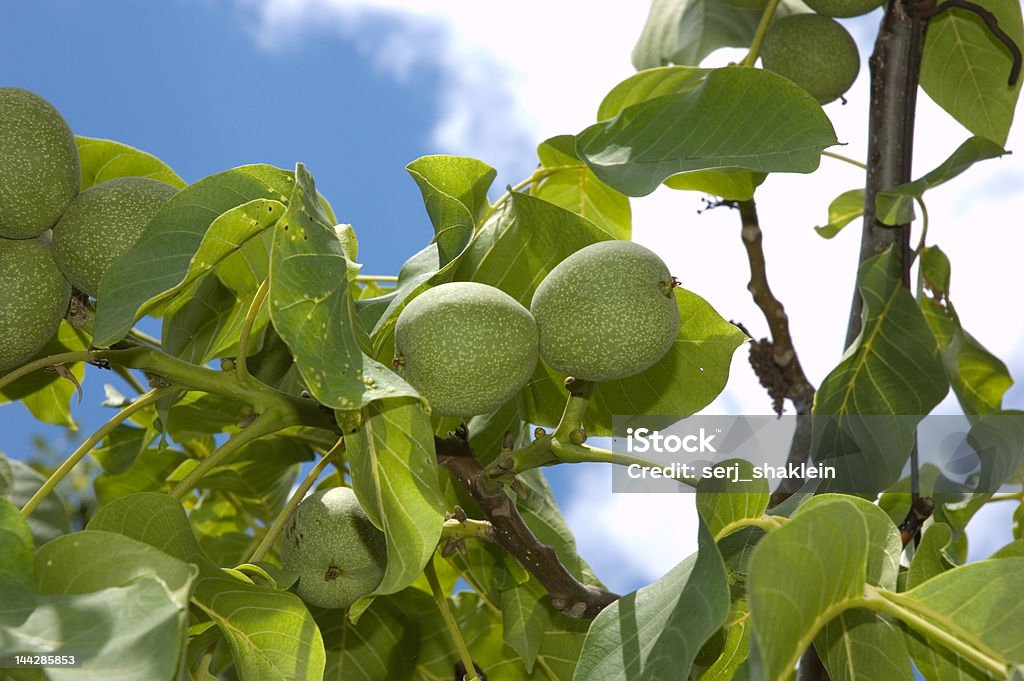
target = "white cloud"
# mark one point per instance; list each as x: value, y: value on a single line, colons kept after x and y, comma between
x: 513, y: 75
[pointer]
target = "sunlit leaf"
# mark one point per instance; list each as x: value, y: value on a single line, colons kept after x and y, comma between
x: 843, y: 210
x: 104, y: 160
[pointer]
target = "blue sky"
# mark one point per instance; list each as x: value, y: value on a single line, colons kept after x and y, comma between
x: 356, y: 89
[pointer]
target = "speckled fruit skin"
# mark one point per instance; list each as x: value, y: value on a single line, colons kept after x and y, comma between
x: 34, y: 298
x: 813, y: 51
x: 102, y: 223
x: 339, y: 555
x: 39, y: 167
x: 466, y: 347
x: 606, y: 312
x: 843, y: 8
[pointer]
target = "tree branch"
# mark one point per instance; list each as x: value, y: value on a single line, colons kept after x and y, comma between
x: 568, y: 596
x: 776, y: 362
x: 895, y: 66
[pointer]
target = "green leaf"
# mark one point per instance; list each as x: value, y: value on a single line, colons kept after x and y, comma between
x: 801, y: 575
x: 965, y: 70
x: 731, y: 646
x: 121, y: 448
x: 454, y: 192
x: 160, y: 260
x: 979, y: 378
x: 50, y: 518
x: 104, y: 160
x: 525, y: 617
x: 686, y: 31
x: 784, y: 130
x: 272, y: 635
x: 723, y: 504
x: 980, y: 604
x: 656, y: 632
x: 208, y: 323
x: 121, y: 633
x: 732, y: 185
x: 379, y: 647
x: 394, y: 475
x: 891, y: 376
x: 568, y: 182
x: 149, y: 473
x: 860, y: 645
x: 896, y: 206
x: 930, y: 557
x: 16, y: 548
x: 46, y: 394
x: 312, y: 308
x: 843, y: 210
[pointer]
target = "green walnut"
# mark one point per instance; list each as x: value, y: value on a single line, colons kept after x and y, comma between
x: 102, y: 223
x: 339, y: 554
x: 34, y: 300
x: 606, y: 312
x: 746, y: 4
x: 39, y: 167
x: 813, y: 51
x: 843, y: 8
x: 466, y: 347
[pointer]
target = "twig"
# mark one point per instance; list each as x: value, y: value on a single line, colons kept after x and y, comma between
x: 450, y: 622
x: 779, y: 367
x: 568, y: 595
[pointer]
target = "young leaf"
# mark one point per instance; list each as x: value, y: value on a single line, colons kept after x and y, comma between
x: 784, y: 130
x: 896, y: 206
x: 160, y: 260
x: 843, y: 210
x: 867, y: 408
x: 394, y: 475
x: 965, y: 69
x: 104, y: 160
x: 313, y: 311
x: 454, y: 192
x: 569, y: 183
x: 723, y: 504
x: 656, y: 632
x: 979, y: 378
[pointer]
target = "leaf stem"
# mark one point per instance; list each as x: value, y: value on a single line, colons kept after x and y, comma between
x: 845, y: 159
x: 42, y: 363
x: 266, y: 423
x: 766, y: 522
x: 536, y: 176
x: 364, y: 278
x: 449, y: 620
x: 917, y: 617
x: 300, y: 492
x: 127, y: 377
x: 241, y: 370
x: 84, y: 448
x: 762, y: 26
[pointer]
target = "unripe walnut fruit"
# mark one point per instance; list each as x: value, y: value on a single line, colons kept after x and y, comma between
x: 813, y: 51
x: 466, y: 347
x: 606, y: 312
x: 34, y: 296
x: 339, y: 554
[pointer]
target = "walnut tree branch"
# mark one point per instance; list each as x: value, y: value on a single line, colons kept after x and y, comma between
x: 776, y: 362
x: 568, y: 595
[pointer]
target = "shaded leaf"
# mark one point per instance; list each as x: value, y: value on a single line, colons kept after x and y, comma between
x: 50, y: 518
x: 930, y: 557
x: 45, y: 393
x: 16, y: 548
x: 394, y: 474
x: 737, y: 117
x: 313, y: 311
x: 732, y: 185
x: 867, y: 408
x: 723, y: 504
x: 655, y: 632
x: 526, y: 615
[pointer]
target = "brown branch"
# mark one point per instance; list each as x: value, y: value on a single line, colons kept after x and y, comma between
x: 776, y: 362
x: 568, y: 596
